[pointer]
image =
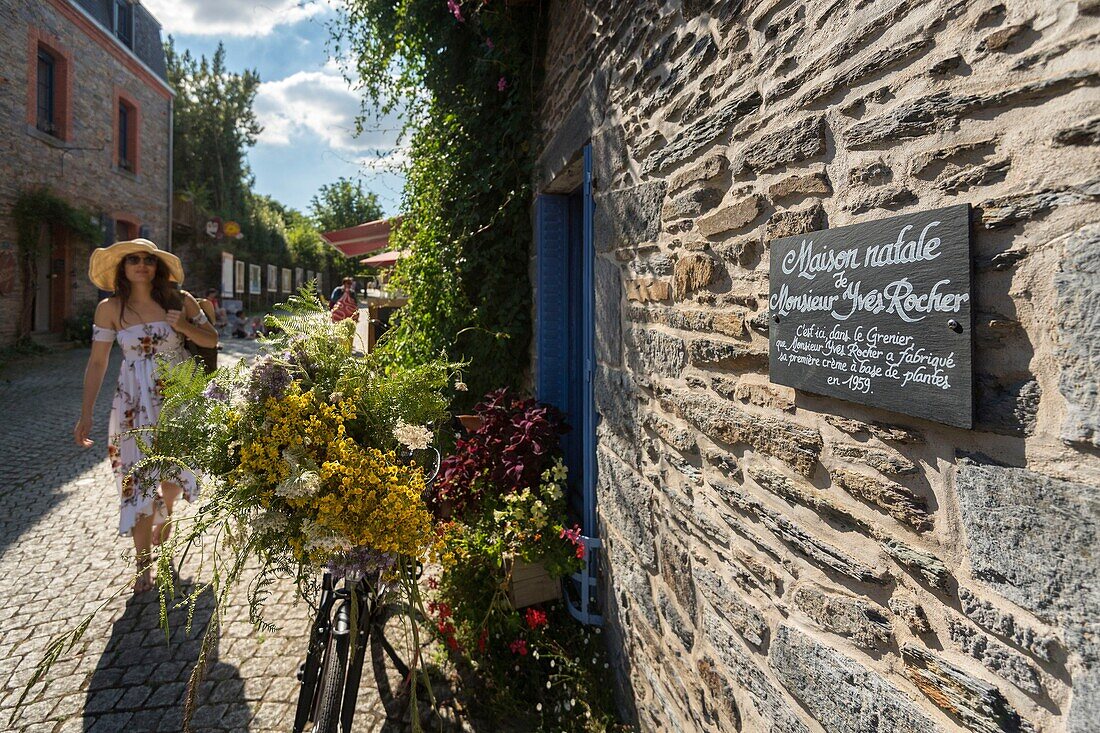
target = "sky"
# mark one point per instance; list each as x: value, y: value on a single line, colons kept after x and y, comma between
x: 304, y: 104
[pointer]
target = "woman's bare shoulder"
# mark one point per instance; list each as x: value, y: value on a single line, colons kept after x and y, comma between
x: 107, y: 312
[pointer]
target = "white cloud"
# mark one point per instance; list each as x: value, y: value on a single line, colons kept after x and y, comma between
x: 231, y: 17
x: 319, y: 106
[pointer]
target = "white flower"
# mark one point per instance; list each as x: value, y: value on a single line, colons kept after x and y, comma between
x: 270, y: 521
x: 460, y: 386
x: 307, y: 483
x: 414, y: 437
x: 560, y: 471
x: 553, y: 492
x: 538, y: 707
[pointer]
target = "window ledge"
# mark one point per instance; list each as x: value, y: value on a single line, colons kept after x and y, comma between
x: 46, y: 137
x: 126, y: 173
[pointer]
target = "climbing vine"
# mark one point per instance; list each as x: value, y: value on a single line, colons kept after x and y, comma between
x: 32, y: 209
x: 462, y: 75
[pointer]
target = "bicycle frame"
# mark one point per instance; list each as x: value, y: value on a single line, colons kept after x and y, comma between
x: 333, y: 618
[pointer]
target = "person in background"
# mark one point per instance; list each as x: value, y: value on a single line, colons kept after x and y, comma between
x: 348, y: 286
x: 257, y: 327
x: 221, y: 318
x: 239, y: 326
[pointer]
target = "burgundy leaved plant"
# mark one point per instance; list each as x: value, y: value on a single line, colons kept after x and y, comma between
x: 517, y: 441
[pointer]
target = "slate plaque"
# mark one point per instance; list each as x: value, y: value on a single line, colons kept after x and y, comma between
x: 878, y: 313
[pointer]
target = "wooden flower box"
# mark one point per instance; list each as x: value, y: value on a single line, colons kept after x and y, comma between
x: 530, y: 583
x: 470, y: 423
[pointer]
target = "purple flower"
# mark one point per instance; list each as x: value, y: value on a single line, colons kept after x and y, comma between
x: 502, y: 84
x: 361, y: 561
x: 216, y: 392
x: 269, y: 378
x: 456, y: 11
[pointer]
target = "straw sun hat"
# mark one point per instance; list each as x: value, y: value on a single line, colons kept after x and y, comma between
x: 104, y: 262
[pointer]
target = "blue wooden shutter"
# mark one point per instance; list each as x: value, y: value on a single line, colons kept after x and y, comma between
x: 588, y: 351
x: 552, y: 289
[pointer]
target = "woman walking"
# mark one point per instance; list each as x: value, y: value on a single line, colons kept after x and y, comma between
x: 149, y: 318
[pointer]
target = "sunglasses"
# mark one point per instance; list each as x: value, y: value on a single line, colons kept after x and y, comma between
x: 139, y: 259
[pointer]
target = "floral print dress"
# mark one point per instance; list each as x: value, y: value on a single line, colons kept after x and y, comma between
x: 136, y: 405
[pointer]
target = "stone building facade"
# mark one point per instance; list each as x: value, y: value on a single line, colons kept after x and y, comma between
x: 104, y: 56
x: 776, y: 560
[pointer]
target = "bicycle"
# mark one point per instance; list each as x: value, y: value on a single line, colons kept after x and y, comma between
x: 329, y: 679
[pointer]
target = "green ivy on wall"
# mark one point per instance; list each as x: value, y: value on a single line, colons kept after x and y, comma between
x: 463, y: 75
x: 32, y: 209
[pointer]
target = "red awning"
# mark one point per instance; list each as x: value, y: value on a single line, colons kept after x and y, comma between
x: 385, y: 259
x: 362, y: 238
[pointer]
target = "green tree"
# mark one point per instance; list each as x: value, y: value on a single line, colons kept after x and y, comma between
x: 213, y: 127
x: 344, y: 204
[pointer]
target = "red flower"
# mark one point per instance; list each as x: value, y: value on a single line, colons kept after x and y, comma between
x: 483, y: 641
x: 519, y: 646
x: 535, y: 618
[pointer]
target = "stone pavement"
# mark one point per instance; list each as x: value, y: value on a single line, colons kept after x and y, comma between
x: 61, y: 557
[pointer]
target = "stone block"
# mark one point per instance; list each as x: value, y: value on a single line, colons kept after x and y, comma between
x: 796, y: 221
x: 978, y: 705
x: 729, y: 323
x: 647, y: 290
x: 625, y: 500
x: 1033, y: 539
x: 929, y: 567
x: 1077, y: 333
x: 983, y: 174
x: 887, y: 460
x: 872, y: 173
x: 702, y: 133
x: 708, y: 353
x: 855, y: 618
x: 653, y: 352
x: 1004, y: 624
x: 842, y: 695
x: 733, y: 217
x: 896, y: 500
x: 674, y: 562
x: 803, y: 140
x: 679, y: 438
x: 995, y: 656
x: 999, y: 39
x: 971, y: 148
x: 609, y: 326
x: 1006, y: 406
x: 763, y: 394
x: 912, y: 613
x: 809, y: 184
x: 674, y: 621
x: 1004, y: 211
x: 721, y: 693
x: 729, y: 602
x: 694, y: 271
x: 882, y: 431
x: 707, y: 170
x: 818, y: 551
x: 1083, y: 133
x: 798, y: 492
x: 691, y: 204
x: 890, y: 198
x: 634, y: 593
x: 746, y: 671
x: 785, y: 440
x: 628, y: 217
x: 923, y: 115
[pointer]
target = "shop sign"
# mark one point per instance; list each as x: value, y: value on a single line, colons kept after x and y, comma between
x: 878, y: 313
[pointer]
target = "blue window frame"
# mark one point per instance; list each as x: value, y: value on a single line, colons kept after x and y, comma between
x: 565, y: 351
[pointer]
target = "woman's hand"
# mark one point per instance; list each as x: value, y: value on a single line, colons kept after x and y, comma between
x: 80, y: 432
x: 174, y: 320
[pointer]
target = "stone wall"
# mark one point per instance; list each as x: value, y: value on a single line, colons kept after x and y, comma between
x: 79, y: 169
x: 781, y: 561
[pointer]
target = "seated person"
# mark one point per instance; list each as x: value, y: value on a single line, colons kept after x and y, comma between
x: 258, y: 328
x: 239, y: 325
x: 348, y: 286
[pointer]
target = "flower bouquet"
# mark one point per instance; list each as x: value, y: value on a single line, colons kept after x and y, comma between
x: 307, y: 457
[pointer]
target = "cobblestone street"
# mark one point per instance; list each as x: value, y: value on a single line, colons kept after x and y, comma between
x: 61, y: 557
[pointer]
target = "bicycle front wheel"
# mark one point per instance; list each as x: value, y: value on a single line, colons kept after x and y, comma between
x: 331, y: 692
